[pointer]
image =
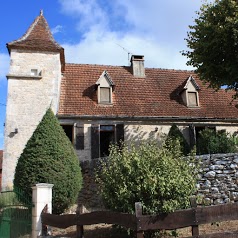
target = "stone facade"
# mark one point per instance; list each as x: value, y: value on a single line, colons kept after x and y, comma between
x: 29, y: 96
x: 134, y: 131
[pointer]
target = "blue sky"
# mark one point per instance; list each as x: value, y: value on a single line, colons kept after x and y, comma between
x: 102, y: 32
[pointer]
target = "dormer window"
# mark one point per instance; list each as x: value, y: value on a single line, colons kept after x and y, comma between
x: 104, y: 89
x: 190, y: 93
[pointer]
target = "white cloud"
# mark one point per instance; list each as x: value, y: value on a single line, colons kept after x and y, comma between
x: 4, y: 65
x: 88, y: 12
x: 154, y: 28
x: 57, y: 29
x: 113, y: 50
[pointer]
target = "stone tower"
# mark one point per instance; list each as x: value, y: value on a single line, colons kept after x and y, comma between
x: 36, y: 63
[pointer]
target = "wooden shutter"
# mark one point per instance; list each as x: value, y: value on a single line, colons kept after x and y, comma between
x: 119, y: 133
x: 95, y: 141
x: 192, y: 135
x: 79, y: 137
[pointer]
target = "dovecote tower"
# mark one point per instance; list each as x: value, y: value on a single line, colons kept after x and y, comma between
x: 36, y: 63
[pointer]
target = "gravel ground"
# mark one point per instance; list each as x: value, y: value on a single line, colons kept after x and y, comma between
x: 106, y: 231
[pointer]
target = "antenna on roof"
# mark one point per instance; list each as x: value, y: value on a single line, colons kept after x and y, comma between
x: 41, y: 12
x: 128, y: 52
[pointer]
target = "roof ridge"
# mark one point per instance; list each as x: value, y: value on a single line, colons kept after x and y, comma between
x: 128, y: 66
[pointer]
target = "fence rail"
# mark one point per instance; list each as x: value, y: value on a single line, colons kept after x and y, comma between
x: 192, y: 217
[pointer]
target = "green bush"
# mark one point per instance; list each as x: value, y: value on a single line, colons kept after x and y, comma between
x: 160, y: 178
x: 50, y: 158
x: 212, y: 142
x: 176, y: 134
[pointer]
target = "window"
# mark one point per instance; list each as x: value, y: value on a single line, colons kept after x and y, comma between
x: 192, y: 99
x: 68, y: 129
x: 107, y: 137
x: 102, y: 136
x: 105, y: 95
x: 35, y: 72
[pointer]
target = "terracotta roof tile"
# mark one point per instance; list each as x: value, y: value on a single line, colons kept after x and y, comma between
x: 156, y: 95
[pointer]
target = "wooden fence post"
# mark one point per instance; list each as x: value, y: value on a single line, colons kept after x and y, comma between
x: 195, y: 228
x: 138, y: 210
x: 79, y: 230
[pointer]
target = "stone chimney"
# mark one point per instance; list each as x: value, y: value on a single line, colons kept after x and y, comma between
x: 137, y: 64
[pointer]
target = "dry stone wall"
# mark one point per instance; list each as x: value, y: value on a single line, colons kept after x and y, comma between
x: 218, y: 178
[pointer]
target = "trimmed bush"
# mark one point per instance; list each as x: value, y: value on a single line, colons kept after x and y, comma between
x: 49, y: 157
x: 176, y: 134
x: 158, y: 177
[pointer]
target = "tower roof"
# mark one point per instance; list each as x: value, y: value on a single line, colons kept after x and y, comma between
x: 38, y: 37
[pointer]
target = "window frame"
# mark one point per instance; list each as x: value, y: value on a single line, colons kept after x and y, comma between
x: 100, y: 101
x: 197, y: 99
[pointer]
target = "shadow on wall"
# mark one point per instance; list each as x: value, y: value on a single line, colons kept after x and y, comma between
x: 137, y: 133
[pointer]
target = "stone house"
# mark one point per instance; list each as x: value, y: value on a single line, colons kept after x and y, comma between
x: 100, y: 104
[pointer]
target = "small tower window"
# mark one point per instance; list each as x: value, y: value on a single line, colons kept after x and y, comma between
x: 34, y: 72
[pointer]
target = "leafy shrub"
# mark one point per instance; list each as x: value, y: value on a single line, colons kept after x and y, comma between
x: 50, y: 158
x: 176, y: 134
x: 160, y: 178
x: 212, y: 142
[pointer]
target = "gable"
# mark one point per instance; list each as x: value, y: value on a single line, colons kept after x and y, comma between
x: 105, y: 80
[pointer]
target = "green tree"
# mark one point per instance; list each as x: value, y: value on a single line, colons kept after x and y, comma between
x: 50, y: 158
x: 158, y: 177
x: 213, y: 142
x: 176, y: 134
x: 213, y: 43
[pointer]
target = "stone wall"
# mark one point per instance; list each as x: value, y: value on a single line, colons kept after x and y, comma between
x: 27, y: 101
x: 217, y: 181
x: 218, y: 178
x: 89, y: 196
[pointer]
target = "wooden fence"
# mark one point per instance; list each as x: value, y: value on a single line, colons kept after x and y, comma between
x: 192, y: 217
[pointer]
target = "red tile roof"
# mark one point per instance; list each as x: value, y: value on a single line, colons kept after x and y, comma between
x: 156, y: 95
x: 38, y: 37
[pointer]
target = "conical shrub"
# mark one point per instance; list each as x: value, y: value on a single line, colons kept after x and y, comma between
x: 49, y: 157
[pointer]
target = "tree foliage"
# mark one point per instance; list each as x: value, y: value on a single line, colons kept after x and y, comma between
x: 50, y: 158
x: 158, y: 177
x: 213, y: 43
x: 213, y: 142
x: 176, y: 134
